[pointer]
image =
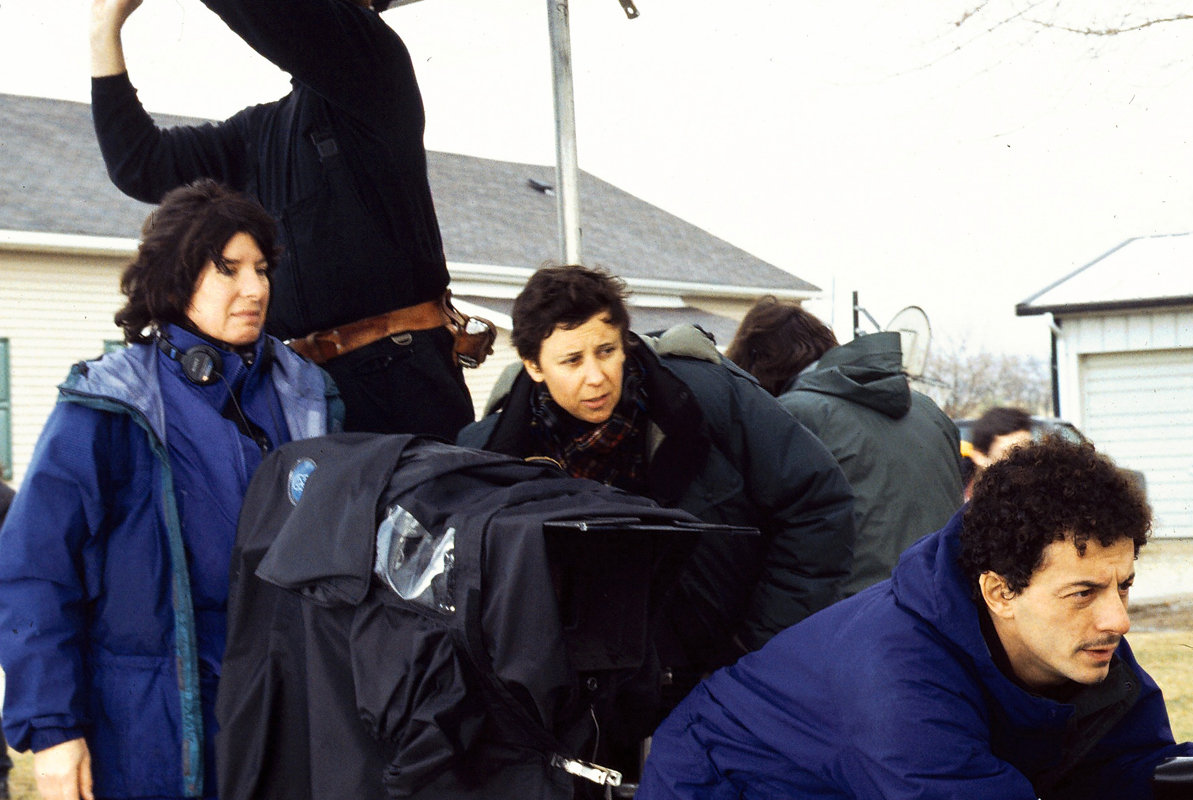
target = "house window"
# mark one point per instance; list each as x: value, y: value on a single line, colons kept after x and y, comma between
x: 5, y: 414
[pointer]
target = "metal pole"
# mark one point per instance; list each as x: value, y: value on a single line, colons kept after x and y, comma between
x: 567, y: 169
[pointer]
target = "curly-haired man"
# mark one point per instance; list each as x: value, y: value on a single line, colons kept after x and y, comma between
x: 991, y: 665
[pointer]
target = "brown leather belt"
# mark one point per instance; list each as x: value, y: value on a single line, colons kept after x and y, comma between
x: 322, y: 346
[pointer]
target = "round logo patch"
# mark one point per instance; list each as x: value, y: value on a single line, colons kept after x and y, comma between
x: 297, y: 481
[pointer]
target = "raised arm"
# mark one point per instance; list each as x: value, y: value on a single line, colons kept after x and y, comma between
x: 777, y: 724
x: 107, y: 22
x: 344, y: 53
x: 145, y: 161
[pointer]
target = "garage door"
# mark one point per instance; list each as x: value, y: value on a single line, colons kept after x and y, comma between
x: 1138, y: 408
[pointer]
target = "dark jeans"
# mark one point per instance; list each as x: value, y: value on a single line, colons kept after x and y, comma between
x: 404, y: 384
x: 5, y: 761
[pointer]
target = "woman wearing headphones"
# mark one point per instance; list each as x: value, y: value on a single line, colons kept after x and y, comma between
x: 114, y: 558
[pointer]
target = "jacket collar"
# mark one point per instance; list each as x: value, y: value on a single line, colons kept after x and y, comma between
x: 127, y: 377
x: 678, y: 441
x: 928, y: 583
x: 130, y: 379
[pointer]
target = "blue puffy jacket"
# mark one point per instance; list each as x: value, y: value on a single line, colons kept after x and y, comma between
x: 893, y: 694
x: 111, y: 612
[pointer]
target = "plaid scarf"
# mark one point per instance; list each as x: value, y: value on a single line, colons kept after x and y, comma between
x: 612, y: 452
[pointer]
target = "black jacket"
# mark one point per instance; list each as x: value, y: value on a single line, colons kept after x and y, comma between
x: 723, y: 449
x: 527, y: 635
x: 339, y: 161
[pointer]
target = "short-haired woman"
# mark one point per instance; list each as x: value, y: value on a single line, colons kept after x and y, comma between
x: 114, y: 557
x: 671, y: 420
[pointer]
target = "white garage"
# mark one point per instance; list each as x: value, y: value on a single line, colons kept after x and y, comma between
x: 1123, y: 364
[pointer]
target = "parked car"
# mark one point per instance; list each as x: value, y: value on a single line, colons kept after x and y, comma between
x: 1041, y: 427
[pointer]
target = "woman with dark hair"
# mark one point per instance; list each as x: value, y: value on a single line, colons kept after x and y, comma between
x: 114, y: 559
x: 667, y: 419
x: 778, y: 340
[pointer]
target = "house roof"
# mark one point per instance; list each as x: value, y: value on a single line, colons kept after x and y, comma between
x: 54, y: 179
x: 490, y: 212
x: 1143, y: 272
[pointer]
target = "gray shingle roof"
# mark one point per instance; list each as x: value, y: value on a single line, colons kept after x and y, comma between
x: 52, y: 178
x: 54, y: 182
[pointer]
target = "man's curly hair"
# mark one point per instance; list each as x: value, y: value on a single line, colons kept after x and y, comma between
x: 1043, y: 493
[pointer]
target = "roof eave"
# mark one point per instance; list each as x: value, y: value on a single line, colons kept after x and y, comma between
x: 517, y: 276
x: 1026, y: 310
x: 66, y: 243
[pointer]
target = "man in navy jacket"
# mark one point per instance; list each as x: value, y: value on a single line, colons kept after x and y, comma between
x: 991, y: 665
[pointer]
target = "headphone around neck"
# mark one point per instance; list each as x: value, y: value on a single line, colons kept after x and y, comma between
x: 201, y: 363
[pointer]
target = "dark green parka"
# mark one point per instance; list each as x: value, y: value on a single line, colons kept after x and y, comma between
x: 897, y: 448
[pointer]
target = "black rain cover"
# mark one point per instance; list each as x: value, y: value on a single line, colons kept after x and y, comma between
x: 503, y: 616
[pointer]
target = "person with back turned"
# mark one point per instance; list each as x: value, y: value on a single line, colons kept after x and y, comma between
x: 899, y: 451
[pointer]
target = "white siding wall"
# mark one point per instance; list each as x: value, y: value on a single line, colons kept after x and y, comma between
x: 1126, y: 380
x: 1138, y: 406
x: 54, y: 310
x: 1114, y: 333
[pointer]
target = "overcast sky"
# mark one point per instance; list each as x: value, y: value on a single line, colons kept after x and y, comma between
x: 875, y: 146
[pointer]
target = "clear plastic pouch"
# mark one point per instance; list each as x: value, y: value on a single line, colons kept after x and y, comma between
x: 415, y: 564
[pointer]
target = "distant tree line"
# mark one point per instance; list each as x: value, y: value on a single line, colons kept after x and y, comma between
x: 965, y: 381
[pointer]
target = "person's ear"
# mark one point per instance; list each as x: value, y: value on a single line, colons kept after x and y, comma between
x: 532, y: 369
x: 996, y: 594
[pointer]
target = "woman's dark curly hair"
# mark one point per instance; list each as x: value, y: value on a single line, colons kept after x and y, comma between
x: 565, y: 297
x: 776, y: 340
x: 190, y: 228
x: 1043, y: 493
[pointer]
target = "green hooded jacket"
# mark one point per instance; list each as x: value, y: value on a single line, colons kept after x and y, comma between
x: 899, y: 451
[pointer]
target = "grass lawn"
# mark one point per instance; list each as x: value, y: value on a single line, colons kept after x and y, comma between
x: 1166, y: 655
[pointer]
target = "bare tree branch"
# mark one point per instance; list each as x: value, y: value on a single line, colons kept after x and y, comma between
x: 985, y: 7
x: 964, y: 383
x: 1112, y: 31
